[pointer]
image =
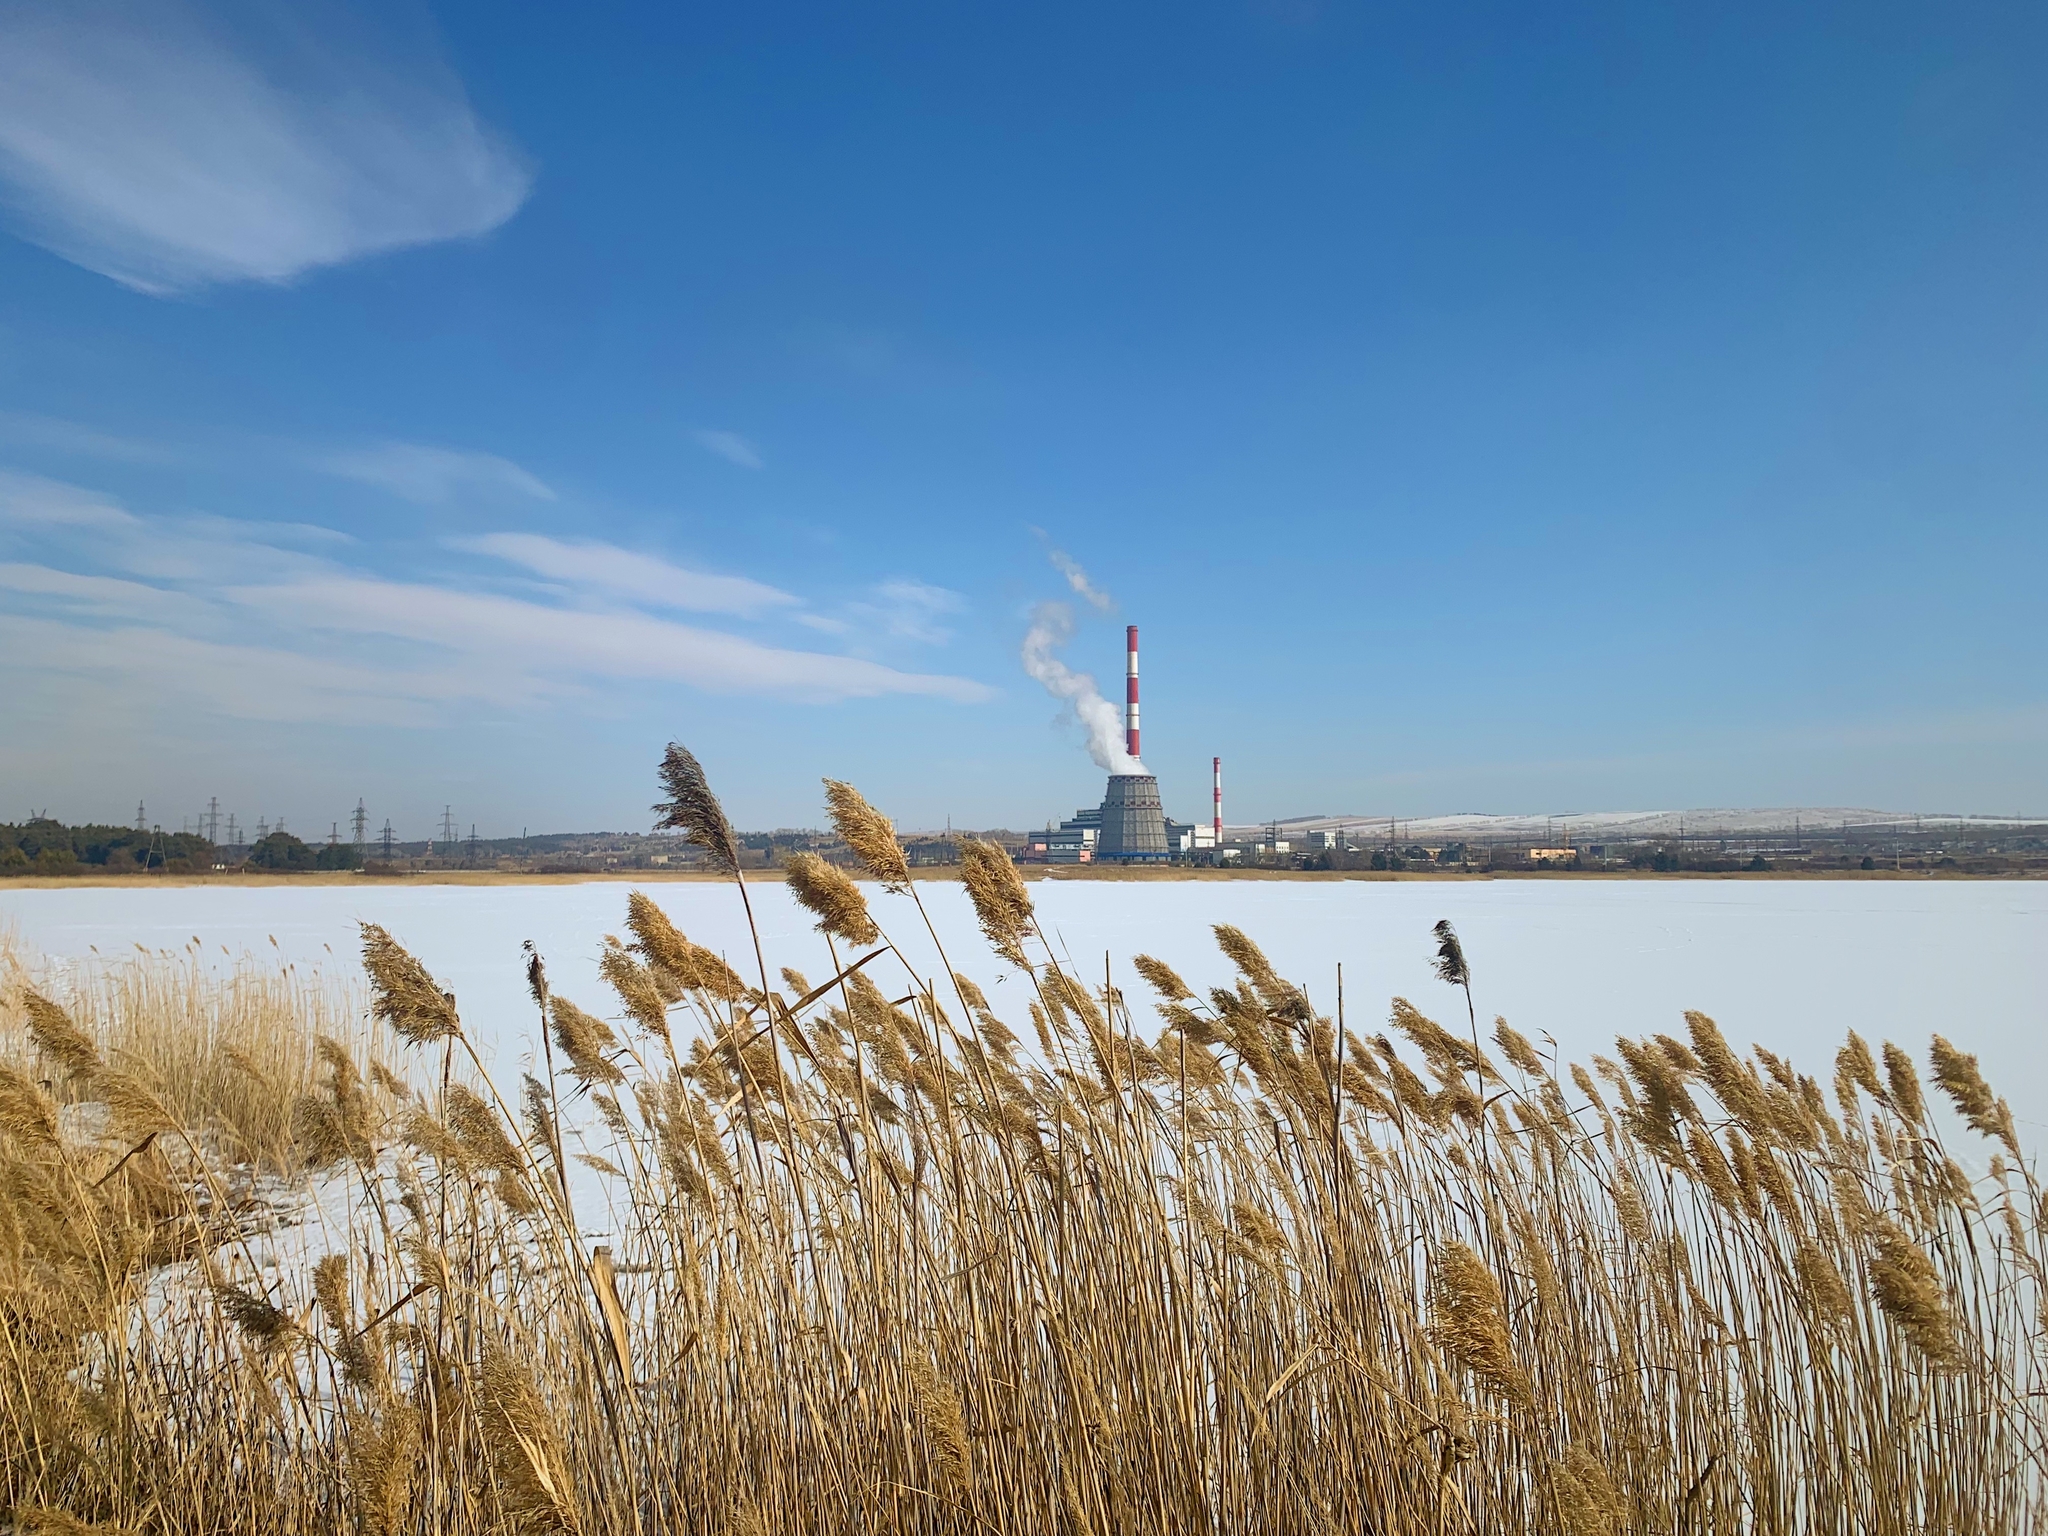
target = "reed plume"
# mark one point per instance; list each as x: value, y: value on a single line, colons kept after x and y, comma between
x: 869, y: 834
x: 824, y: 891
x: 1904, y: 1083
x: 384, y: 1449
x: 1001, y: 904
x: 586, y: 1041
x: 693, y: 810
x: 1450, y: 965
x: 57, y: 1037
x: 1588, y: 1504
x: 1964, y: 1083
x: 1162, y: 978
x: 639, y: 988
x: 403, y: 994
x: 525, y: 1445
x: 1468, y: 1322
x: 26, y: 1112
x: 1908, y: 1288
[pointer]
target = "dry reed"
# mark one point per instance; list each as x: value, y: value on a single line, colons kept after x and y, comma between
x: 872, y: 1266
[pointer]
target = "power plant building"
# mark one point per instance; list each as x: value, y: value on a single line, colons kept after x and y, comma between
x: 1079, y: 839
x: 1130, y: 826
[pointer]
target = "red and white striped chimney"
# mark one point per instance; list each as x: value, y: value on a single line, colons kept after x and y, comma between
x: 1216, y: 779
x: 1131, y: 691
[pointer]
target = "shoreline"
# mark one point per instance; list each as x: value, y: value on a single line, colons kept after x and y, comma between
x: 950, y: 874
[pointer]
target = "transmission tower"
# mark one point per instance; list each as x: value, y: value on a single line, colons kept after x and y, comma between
x: 358, y: 822
x: 387, y: 837
x: 448, y: 826
x: 213, y: 820
x: 262, y: 829
x: 234, y: 832
x: 472, y: 842
x: 334, y: 834
x: 141, y: 820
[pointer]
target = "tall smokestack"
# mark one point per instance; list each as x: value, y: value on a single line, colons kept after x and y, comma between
x: 1216, y: 778
x: 1131, y: 691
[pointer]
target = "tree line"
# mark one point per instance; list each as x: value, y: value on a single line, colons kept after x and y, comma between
x: 44, y: 846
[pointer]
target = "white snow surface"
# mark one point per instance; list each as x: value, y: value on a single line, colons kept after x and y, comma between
x: 1626, y: 826
x: 1791, y: 964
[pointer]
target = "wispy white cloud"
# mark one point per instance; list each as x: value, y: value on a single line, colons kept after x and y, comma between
x: 516, y: 639
x: 140, y: 666
x: 434, y: 476
x: 110, y: 595
x: 629, y: 574
x: 71, y: 437
x: 30, y: 501
x: 261, y: 621
x: 729, y: 446
x: 907, y: 609
x: 167, y: 150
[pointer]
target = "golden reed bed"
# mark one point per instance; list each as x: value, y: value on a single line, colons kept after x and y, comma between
x: 878, y: 1264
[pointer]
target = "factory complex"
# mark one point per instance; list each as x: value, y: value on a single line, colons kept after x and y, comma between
x: 1130, y: 826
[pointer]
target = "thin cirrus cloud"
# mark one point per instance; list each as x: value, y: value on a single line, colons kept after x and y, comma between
x: 627, y: 573
x: 131, y: 610
x: 729, y: 446
x: 907, y: 609
x: 901, y: 608
x: 431, y: 476
x: 30, y: 501
x: 80, y: 441
x: 167, y: 151
x: 112, y: 595
x: 123, y: 669
x: 513, y: 638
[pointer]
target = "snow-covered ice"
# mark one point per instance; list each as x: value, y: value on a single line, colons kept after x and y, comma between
x: 1790, y: 963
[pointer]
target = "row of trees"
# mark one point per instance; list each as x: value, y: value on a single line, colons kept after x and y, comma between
x: 42, y: 846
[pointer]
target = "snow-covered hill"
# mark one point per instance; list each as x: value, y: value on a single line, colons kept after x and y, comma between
x: 1618, y: 826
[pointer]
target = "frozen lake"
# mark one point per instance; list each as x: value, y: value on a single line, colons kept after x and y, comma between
x: 1792, y: 964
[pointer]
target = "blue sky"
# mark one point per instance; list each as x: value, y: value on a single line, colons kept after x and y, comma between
x: 1479, y: 408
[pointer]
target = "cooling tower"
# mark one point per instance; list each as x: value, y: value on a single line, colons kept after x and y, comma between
x: 1133, y: 825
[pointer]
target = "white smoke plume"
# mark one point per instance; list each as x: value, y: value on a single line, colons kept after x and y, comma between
x: 1052, y: 626
x: 1077, y: 578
